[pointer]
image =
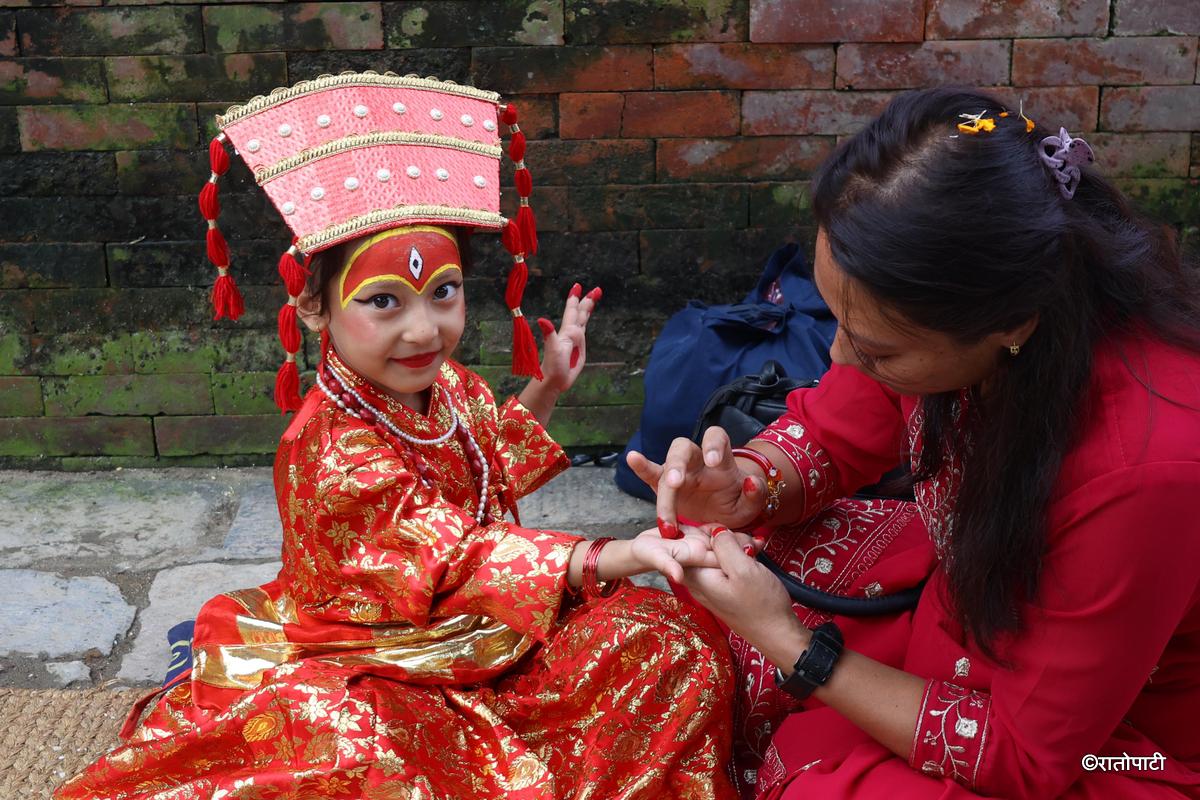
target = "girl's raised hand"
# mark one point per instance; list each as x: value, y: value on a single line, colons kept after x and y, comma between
x: 564, y: 351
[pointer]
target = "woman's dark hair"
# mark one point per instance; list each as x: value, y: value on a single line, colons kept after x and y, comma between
x: 327, y: 264
x: 969, y: 235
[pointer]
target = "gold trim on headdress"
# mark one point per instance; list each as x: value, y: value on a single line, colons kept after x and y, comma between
x: 265, y: 174
x: 427, y: 213
x: 368, y: 78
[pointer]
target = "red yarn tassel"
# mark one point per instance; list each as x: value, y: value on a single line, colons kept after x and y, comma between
x: 287, y: 387
x: 528, y: 225
x: 508, y: 114
x: 516, y: 147
x: 515, y: 290
x: 210, y: 202
x: 525, y: 352
x: 524, y: 182
x: 292, y: 273
x: 218, y: 158
x: 218, y: 250
x: 227, y: 300
x: 511, y: 238
x: 289, y: 332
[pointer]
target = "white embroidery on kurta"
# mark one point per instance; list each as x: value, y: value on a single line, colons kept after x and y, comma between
x: 953, y: 723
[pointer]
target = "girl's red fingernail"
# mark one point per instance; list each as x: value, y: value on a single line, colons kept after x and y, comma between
x: 574, y: 357
x: 595, y: 294
x: 749, y: 486
x: 546, y: 325
x: 668, y: 529
x: 576, y: 291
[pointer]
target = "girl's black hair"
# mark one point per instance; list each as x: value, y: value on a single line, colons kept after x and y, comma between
x: 327, y: 264
x: 969, y: 235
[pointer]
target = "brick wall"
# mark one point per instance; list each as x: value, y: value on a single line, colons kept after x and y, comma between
x: 671, y: 144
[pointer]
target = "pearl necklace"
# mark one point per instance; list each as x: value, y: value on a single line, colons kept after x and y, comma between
x: 374, y: 416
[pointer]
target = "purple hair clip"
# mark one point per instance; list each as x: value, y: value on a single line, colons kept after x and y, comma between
x: 1065, y: 156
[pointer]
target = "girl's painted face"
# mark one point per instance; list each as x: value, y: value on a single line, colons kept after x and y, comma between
x: 397, y: 309
x: 906, y: 357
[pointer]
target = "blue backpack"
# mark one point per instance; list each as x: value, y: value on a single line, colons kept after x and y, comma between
x: 703, y: 347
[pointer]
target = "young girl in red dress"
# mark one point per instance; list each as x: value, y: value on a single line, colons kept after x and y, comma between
x: 417, y: 643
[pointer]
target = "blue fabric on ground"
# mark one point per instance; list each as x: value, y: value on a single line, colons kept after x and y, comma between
x: 180, y: 640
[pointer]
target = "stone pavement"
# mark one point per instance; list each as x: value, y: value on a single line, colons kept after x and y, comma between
x: 95, y: 567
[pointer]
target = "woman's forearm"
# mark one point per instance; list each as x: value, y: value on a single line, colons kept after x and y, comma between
x: 885, y: 702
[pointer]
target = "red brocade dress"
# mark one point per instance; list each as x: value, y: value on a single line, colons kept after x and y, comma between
x: 1108, y: 663
x: 406, y: 652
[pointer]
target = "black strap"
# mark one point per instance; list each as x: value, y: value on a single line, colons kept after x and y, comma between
x: 815, y: 664
x: 830, y: 603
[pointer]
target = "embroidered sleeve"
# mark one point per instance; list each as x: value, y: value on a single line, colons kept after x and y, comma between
x: 379, y: 546
x: 1119, y: 581
x: 841, y: 435
x: 528, y: 455
x: 951, y: 733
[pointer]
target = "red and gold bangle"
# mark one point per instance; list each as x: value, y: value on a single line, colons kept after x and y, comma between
x: 775, y: 482
x: 590, y: 584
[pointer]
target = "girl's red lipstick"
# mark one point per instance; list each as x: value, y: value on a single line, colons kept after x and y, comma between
x: 416, y: 362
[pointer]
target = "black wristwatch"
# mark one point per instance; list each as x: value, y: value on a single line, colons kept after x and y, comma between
x: 815, y: 664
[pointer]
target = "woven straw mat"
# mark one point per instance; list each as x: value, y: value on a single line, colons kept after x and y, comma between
x: 48, y: 735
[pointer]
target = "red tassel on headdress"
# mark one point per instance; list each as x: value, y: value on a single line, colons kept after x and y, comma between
x: 287, y: 380
x: 524, y: 181
x: 218, y: 250
x: 287, y: 387
x: 525, y: 353
x: 227, y: 300
x: 528, y: 225
x: 289, y: 331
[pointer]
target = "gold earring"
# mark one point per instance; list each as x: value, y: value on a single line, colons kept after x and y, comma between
x: 1014, y: 349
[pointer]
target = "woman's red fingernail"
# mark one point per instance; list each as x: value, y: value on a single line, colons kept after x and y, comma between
x: 719, y: 530
x: 546, y: 325
x: 574, y: 357
x: 595, y: 294
x: 749, y: 550
x: 749, y: 486
x: 668, y: 530
x: 576, y: 291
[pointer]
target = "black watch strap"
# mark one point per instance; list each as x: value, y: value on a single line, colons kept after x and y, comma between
x: 815, y: 664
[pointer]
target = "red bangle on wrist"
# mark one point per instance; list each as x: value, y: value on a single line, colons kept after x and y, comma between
x: 775, y: 483
x: 590, y: 585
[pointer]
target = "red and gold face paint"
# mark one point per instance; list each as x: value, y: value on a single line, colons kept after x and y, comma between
x: 414, y: 255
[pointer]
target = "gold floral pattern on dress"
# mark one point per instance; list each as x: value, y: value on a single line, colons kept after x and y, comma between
x: 406, y: 651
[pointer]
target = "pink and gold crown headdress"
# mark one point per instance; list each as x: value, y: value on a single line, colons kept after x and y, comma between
x: 347, y: 155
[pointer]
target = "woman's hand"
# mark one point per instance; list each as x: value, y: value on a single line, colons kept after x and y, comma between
x: 743, y: 593
x: 702, y: 483
x: 564, y: 353
x: 671, y: 556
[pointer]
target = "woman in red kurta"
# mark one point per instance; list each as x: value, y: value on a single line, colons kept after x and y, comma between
x: 1046, y: 347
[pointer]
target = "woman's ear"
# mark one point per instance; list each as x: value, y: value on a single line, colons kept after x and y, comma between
x: 309, y: 309
x: 1018, y: 335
